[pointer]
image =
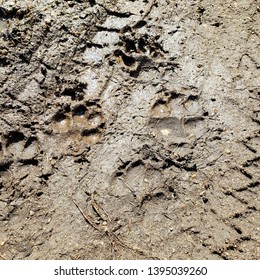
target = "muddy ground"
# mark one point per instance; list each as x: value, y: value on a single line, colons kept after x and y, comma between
x: 129, y: 129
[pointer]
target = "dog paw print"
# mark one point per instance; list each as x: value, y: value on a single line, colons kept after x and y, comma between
x: 176, y: 116
x: 83, y: 124
x: 17, y: 147
x: 132, y: 50
x: 140, y: 181
x: 137, y: 52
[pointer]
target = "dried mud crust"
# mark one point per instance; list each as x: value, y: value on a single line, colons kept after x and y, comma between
x: 129, y: 130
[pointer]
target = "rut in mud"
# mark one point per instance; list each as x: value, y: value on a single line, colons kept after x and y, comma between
x: 129, y: 129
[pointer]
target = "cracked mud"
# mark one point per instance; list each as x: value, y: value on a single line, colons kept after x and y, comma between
x: 129, y: 129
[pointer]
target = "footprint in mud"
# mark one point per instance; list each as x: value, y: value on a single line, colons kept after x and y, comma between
x: 169, y: 127
x: 83, y: 124
x: 177, y: 116
x: 138, y: 52
x: 139, y: 180
x: 161, y: 109
x: 132, y: 49
x: 17, y: 147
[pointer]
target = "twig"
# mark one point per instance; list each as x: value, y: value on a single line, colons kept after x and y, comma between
x: 86, y: 217
x: 108, y: 230
x: 99, y: 210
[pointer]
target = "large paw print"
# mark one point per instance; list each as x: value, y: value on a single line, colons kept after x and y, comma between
x: 138, y: 52
x: 139, y: 181
x: 176, y: 116
x: 133, y: 50
x: 83, y: 124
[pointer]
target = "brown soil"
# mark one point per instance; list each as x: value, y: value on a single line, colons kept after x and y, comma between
x: 129, y: 129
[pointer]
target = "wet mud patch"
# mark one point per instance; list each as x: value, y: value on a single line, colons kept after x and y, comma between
x: 129, y: 130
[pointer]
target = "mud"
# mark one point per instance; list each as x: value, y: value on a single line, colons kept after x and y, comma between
x: 129, y: 129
